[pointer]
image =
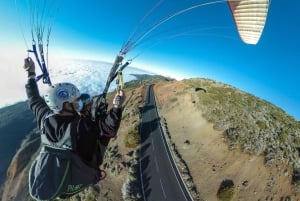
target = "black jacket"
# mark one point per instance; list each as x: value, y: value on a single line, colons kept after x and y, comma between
x: 88, y: 133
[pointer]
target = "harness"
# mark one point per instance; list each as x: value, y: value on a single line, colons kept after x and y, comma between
x: 67, y: 142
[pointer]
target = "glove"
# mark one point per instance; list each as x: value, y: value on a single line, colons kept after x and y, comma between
x: 29, y: 65
x: 118, y: 100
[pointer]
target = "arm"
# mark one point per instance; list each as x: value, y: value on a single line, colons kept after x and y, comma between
x: 109, y: 126
x: 110, y: 123
x: 35, y: 101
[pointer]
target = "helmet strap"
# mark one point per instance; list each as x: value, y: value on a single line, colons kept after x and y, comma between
x: 73, y: 111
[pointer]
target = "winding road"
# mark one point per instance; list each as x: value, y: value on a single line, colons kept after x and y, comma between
x: 159, y: 176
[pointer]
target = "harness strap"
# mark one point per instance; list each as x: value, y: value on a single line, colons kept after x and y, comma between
x: 64, y: 143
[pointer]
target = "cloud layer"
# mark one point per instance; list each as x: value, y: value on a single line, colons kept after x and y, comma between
x: 89, y: 76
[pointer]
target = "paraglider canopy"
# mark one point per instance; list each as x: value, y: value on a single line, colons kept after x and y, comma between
x: 250, y: 18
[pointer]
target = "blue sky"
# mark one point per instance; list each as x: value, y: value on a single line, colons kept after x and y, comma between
x: 200, y: 43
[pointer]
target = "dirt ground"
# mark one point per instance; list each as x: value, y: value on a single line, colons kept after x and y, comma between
x: 208, y: 157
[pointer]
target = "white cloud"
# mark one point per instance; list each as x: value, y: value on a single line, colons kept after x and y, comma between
x: 89, y: 76
x: 12, y: 74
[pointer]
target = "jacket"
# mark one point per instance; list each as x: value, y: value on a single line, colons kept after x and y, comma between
x: 89, y: 132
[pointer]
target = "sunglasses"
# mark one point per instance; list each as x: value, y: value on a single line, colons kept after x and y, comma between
x: 85, y: 98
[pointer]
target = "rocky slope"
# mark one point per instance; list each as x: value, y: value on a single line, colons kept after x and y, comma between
x: 16, y: 122
x: 225, y: 134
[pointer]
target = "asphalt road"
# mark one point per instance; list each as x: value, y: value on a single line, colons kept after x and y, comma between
x: 159, y: 177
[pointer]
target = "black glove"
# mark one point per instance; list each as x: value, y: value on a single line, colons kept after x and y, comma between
x: 29, y: 65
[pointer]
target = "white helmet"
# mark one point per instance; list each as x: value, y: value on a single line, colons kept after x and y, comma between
x: 57, y: 94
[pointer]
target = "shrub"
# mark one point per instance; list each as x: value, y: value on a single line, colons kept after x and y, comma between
x: 132, y: 139
x: 173, y: 100
x: 226, y: 191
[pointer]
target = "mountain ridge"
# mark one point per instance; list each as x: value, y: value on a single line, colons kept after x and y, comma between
x: 11, y: 134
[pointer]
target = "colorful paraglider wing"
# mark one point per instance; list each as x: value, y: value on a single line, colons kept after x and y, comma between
x: 250, y: 18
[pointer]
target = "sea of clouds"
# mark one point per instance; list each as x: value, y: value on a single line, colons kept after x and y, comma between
x: 89, y: 76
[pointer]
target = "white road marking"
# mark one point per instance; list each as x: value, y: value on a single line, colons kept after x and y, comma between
x: 141, y: 174
x: 152, y: 144
x: 165, y: 146
x: 162, y: 187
